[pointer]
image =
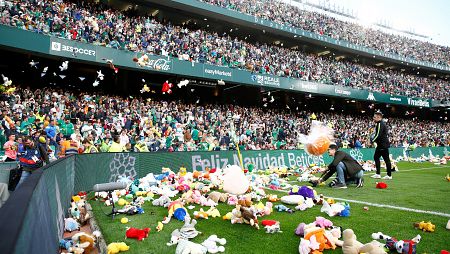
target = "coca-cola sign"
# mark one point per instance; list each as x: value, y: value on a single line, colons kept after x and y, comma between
x: 160, y: 64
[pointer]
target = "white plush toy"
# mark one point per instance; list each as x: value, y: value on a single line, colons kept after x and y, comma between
x: 293, y: 199
x: 212, y: 244
x: 331, y: 210
x: 234, y: 180
x: 187, y: 247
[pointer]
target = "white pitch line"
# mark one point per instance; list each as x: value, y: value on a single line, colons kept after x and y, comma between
x: 384, y: 206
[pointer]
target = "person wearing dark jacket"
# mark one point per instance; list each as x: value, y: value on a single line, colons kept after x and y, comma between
x: 29, y: 159
x: 380, y: 137
x: 348, y: 170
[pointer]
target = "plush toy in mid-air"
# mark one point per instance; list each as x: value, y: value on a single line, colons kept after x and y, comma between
x: 167, y: 87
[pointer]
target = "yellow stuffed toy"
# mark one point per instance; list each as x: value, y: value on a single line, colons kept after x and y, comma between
x: 114, y: 248
x: 425, y: 226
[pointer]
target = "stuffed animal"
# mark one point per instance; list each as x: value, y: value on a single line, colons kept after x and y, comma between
x: 160, y: 226
x: 245, y: 201
x: 275, y: 228
x: 236, y: 215
x: 273, y: 198
x: 70, y: 224
x: 448, y: 225
x: 381, y: 185
x: 167, y: 87
x: 293, y: 199
x: 350, y: 244
x: 425, y: 226
x: 187, y: 247
x: 162, y: 201
x: 201, y: 214
x: 308, y: 203
x: 76, y: 250
x: 232, y: 200
x: 139, y: 234
x: 74, y: 211
x: 323, y: 223
x: 249, y: 216
x: 177, y: 210
x: 116, y: 247
x: 283, y: 208
x: 218, y: 197
x: 213, y: 244
x: 305, y: 191
x: 401, y: 246
x: 227, y: 216
x: 234, y: 180
x: 84, y: 216
x: 332, y: 210
x: 85, y: 241
x: 213, y: 212
x: 373, y: 248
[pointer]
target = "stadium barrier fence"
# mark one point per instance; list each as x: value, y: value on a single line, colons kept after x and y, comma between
x: 33, y: 217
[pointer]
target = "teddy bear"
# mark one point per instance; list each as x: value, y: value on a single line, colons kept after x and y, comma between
x: 245, y: 200
x: 236, y: 215
x: 84, y: 216
x: 425, y: 226
x: 218, y: 197
x: 116, y: 247
x: 139, y: 234
x: 373, y: 247
x: 213, y: 244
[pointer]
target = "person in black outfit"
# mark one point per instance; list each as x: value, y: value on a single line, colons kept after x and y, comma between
x: 380, y: 137
x: 348, y: 170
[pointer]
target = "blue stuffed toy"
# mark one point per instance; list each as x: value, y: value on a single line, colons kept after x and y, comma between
x: 65, y: 244
x: 346, y: 211
x: 180, y: 214
x: 305, y: 191
x: 283, y: 208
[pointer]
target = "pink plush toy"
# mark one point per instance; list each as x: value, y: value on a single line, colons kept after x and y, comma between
x: 268, y: 208
x: 232, y: 200
x: 323, y: 223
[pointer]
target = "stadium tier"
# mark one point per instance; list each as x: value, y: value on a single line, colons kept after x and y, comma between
x: 100, y: 25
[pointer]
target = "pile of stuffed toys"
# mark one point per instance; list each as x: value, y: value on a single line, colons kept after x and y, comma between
x: 194, y: 196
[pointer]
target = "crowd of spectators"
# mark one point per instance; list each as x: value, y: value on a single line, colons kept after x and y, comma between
x: 77, y: 122
x: 287, y: 14
x: 100, y: 25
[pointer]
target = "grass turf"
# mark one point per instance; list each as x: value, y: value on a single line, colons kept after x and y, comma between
x: 412, y: 187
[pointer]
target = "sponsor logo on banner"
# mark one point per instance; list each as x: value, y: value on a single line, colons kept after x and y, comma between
x: 342, y: 91
x: 159, y: 64
x: 309, y: 87
x: 261, y: 161
x: 266, y: 80
x: 418, y: 102
x: 216, y: 72
x: 371, y: 97
x: 395, y: 99
x: 61, y: 47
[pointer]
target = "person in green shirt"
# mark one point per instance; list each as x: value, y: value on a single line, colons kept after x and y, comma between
x: 67, y: 128
x: 194, y: 134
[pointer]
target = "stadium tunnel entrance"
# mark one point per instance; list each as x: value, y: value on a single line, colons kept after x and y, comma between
x: 81, y: 75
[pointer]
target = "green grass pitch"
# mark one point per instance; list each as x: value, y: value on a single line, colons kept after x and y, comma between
x: 417, y: 186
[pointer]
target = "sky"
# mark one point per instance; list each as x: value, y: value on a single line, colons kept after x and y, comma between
x: 430, y: 17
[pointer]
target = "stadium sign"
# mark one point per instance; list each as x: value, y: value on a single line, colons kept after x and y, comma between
x: 220, y: 73
x: 418, y: 102
x: 260, y: 160
x: 159, y: 64
x: 266, y: 80
x: 395, y: 99
x: 371, y: 97
x: 57, y: 46
x: 342, y: 92
x: 310, y: 87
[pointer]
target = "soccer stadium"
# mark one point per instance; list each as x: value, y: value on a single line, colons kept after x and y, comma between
x: 223, y: 126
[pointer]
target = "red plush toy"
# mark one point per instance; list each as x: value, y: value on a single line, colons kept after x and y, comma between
x: 269, y: 222
x: 139, y: 234
x: 381, y: 185
x: 166, y: 87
